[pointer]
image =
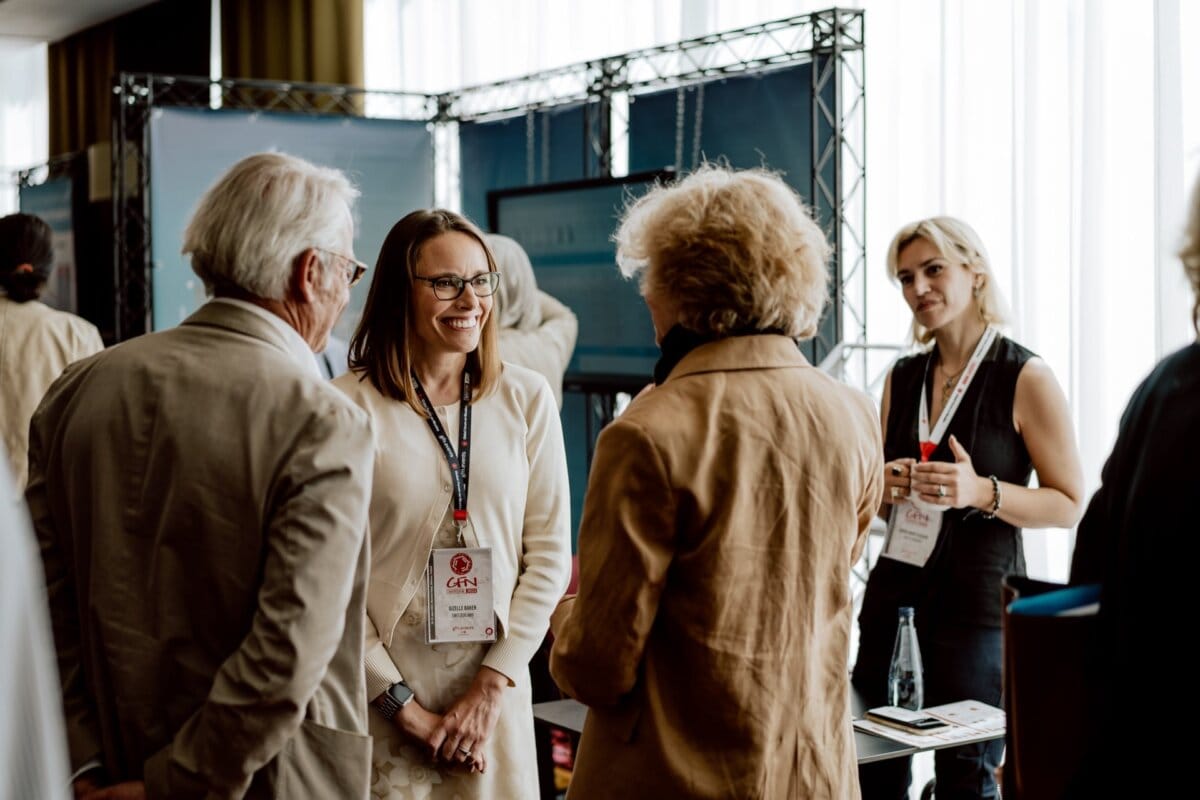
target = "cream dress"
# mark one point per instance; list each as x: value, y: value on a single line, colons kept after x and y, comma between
x: 439, y: 674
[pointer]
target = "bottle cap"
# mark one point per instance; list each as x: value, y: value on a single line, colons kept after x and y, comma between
x: 906, y: 612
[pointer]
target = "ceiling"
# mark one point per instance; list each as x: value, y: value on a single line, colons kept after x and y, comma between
x: 51, y: 20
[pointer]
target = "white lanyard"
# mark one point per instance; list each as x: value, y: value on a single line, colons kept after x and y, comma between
x: 929, y: 441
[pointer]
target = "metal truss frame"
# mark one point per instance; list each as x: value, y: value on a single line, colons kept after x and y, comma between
x: 831, y: 40
x: 57, y: 167
x: 136, y: 96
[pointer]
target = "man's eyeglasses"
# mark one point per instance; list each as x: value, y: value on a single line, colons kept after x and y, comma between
x: 450, y: 287
x: 356, y: 268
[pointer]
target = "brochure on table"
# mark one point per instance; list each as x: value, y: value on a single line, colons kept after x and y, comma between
x: 968, y: 721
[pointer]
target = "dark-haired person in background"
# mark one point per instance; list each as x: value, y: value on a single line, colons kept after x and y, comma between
x: 1138, y: 541
x: 36, y: 342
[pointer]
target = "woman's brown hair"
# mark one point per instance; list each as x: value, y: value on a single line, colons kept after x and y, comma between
x: 382, y: 347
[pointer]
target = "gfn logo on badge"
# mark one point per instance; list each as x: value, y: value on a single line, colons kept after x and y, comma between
x: 460, y: 563
x: 915, y: 515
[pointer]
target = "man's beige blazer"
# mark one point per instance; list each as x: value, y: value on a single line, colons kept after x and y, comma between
x: 711, y: 633
x: 200, y: 500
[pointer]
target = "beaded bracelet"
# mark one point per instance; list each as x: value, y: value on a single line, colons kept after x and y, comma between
x: 995, y: 499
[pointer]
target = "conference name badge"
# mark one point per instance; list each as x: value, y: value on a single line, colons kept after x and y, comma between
x: 460, y: 596
x: 912, y: 533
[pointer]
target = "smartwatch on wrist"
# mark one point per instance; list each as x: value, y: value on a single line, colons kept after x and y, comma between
x: 397, y: 696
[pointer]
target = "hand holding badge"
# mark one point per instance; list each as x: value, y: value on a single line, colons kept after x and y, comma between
x: 915, y: 523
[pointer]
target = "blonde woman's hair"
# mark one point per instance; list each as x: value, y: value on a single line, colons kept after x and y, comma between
x: 1189, y: 254
x: 958, y: 243
x: 737, y: 251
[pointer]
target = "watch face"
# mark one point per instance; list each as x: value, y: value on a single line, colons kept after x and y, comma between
x: 401, y: 693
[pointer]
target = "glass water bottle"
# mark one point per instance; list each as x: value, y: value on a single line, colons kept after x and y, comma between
x: 906, y: 686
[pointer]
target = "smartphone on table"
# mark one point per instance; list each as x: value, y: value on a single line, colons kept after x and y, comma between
x: 904, y: 719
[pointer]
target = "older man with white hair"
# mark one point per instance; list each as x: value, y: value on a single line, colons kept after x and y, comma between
x: 200, y: 497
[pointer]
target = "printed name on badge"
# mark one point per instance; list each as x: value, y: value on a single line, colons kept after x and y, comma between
x: 460, y: 596
x: 912, y: 534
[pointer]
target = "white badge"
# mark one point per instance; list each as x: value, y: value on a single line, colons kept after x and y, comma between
x: 460, y: 596
x: 912, y: 533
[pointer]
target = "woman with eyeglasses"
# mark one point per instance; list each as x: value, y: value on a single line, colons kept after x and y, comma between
x: 966, y: 422
x: 469, y: 520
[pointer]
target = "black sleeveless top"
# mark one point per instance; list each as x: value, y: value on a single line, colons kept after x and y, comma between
x: 961, y: 581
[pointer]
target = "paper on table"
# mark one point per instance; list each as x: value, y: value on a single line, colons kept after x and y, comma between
x: 968, y: 721
x: 971, y: 714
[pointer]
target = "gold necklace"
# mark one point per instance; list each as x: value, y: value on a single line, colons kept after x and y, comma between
x: 948, y: 383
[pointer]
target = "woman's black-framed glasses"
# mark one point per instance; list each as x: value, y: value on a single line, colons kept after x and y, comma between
x: 450, y: 287
x: 357, y: 268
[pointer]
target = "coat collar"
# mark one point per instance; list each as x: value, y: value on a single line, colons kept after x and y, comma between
x: 232, y: 316
x: 759, y: 351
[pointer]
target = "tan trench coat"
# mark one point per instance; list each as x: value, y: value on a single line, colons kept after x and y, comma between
x: 711, y: 631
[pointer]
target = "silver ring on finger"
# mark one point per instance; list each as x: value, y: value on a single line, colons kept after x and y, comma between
x: 941, y: 490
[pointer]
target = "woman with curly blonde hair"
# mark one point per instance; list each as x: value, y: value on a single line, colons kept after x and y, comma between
x: 724, y: 511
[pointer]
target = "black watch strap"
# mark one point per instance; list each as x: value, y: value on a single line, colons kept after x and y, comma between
x: 397, y: 696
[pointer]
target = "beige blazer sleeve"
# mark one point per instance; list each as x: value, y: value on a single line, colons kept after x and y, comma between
x: 83, y: 732
x: 259, y: 695
x: 382, y: 672
x: 545, y: 543
x: 871, y: 477
x: 629, y: 499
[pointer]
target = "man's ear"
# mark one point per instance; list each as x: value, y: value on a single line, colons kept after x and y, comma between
x: 307, y: 275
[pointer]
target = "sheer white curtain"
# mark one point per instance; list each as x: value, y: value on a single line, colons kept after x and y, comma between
x: 436, y: 45
x: 24, y: 112
x: 1056, y: 127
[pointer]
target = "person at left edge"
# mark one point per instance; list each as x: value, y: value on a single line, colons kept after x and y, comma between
x: 455, y: 719
x: 33, y: 741
x: 200, y: 498
x: 36, y: 341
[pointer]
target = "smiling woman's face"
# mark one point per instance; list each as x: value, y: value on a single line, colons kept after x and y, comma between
x: 449, y: 326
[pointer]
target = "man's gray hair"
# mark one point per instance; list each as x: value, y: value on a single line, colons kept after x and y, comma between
x: 266, y: 210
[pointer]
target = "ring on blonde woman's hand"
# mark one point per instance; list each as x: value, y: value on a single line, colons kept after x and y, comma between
x: 897, y: 469
x: 464, y: 751
x: 895, y: 492
x: 941, y: 490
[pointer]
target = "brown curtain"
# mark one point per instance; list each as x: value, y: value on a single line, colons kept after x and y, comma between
x: 80, y: 77
x: 170, y: 37
x: 309, y: 41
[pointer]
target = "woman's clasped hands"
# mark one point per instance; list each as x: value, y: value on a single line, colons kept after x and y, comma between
x: 456, y: 738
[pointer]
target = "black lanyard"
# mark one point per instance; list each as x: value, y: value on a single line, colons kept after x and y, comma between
x: 460, y: 463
